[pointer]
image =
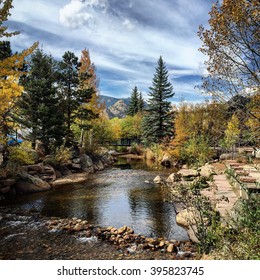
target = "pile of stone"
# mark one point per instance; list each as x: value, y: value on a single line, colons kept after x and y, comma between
x: 43, y: 176
x: 186, y: 175
x: 85, y: 163
x: 123, y: 237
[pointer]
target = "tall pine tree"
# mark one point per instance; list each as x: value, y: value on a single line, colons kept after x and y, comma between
x: 134, y: 102
x: 40, y: 103
x: 140, y: 103
x: 158, y: 123
x: 69, y: 87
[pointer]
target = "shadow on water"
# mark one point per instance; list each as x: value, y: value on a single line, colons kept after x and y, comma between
x: 122, y: 195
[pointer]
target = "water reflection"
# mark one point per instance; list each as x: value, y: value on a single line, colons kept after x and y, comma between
x: 113, y: 197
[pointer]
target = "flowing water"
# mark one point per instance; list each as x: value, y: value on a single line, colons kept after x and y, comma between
x: 121, y: 195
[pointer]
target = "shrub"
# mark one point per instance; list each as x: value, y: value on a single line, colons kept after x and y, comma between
x: 158, y: 151
x: 136, y: 149
x: 196, y: 151
x: 62, y: 154
x: 21, y: 155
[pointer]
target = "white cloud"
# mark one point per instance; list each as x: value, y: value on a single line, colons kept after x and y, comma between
x: 129, y: 24
x: 71, y: 15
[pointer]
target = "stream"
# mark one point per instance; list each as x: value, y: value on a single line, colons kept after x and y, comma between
x: 123, y: 194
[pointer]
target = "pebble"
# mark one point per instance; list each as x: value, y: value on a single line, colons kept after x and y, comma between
x: 77, y: 227
x: 170, y: 248
x: 161, y: 244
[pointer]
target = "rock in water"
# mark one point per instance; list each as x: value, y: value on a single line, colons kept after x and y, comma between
x: 158, y: 180
x: 30, y: 184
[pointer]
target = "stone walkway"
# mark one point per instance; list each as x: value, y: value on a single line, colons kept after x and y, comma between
x: 222, y: 193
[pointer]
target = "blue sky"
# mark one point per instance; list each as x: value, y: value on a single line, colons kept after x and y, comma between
x: 124, y: 37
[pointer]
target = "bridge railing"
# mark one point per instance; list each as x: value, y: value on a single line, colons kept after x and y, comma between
x: 125, y: 142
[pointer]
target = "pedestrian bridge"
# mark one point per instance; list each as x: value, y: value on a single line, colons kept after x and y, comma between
x: 126, y: 142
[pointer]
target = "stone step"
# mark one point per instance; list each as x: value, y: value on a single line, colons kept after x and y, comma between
x: 247, y: 179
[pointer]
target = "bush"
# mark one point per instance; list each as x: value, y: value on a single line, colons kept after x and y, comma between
x: 240, y: 239
x: 158, y: 151
x: 21, y: 155
x: 136, y: 149
x: 149, y: 155
x: 62, y: 154
x: 196, y: 151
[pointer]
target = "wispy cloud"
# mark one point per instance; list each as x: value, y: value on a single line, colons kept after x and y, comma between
x: 125, y: 38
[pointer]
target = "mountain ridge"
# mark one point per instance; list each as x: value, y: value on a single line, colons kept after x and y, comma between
x: 110, y: 101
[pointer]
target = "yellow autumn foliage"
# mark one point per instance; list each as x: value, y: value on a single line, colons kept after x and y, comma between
x: 10, y: 72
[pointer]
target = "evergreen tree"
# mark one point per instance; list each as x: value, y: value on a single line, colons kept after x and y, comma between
x: 5, y: 50
x: 158, y: 123
x: 69, y: 87
x: 40, y: 103
x: 140, y: 103
x: 134, y: 102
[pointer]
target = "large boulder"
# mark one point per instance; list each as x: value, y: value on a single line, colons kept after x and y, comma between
x: 71, y: 180
x: 35, y: 167
x: 206, y: 170
x: 188, y: 173
x: 7, y: 183
x: 174, y: 177
x: 187, y: 217
x: 86, y: 162
x: 107, y: 159
x: 64, y: 171
x: 27, y: 183
x: 98, y: 165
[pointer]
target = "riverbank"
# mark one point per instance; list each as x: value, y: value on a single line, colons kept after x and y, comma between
x: 37, y: 237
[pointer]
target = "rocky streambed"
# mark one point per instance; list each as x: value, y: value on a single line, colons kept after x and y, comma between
x: 28, y: 235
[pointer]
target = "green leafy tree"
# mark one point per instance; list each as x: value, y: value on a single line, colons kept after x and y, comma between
x: 40, y: 103
x: 232, y: 133
x: 158, y: 122
x: 131, y: 127
x: 10, y: 73
x: 232, y: 46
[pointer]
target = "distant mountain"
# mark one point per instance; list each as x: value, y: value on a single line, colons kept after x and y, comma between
x: 115, y: 107
x: 118, y: 110
x: 110, y: 101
